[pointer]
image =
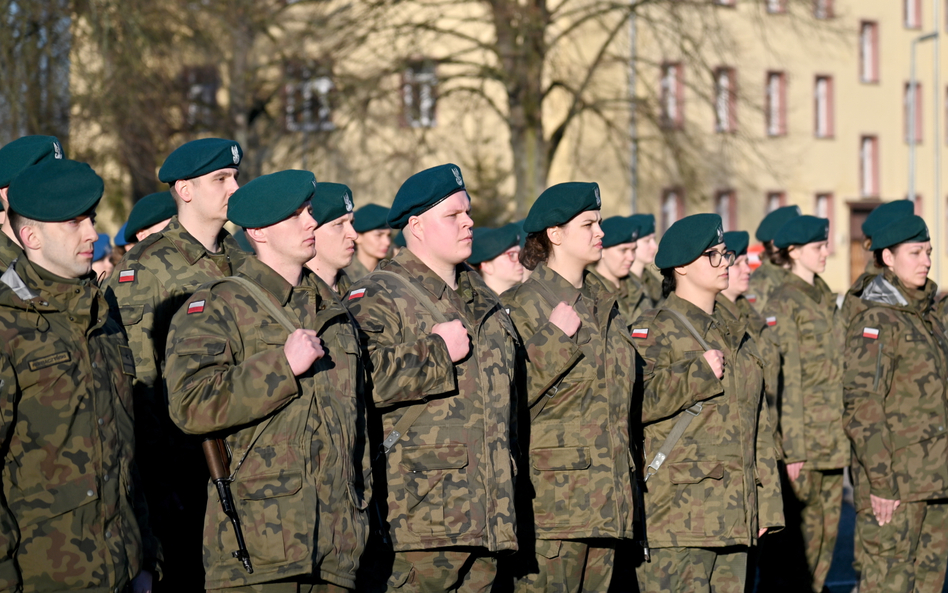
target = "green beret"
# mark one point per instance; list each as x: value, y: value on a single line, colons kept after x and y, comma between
x: 737, y: 241
x: 560, y: 204
x: 801, y: 230
x: 241, y: 237
x: 55, y: 190
x: 767, y: 231
x: 908, y: 229
x: 149, y: 211
x: 687, y: 239
x: 490, y: 243
x: 423, y: 191
x: 331, y: 201
x: 523, y: 233
x: 271, y: 198
x: 399, y: 240
x: 25, y: 152
x: 886, y: 213
x: 644, y: 224
x: 200, y: 157
x: 618, y: 230
x: 369, y: 218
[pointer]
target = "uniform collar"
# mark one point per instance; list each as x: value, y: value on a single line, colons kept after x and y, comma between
x: 190, y: 248
x: 816, y: 291
x: 419, y: 272
x: 561, y: 289
x: 266, y: 277
x: 698, y: 318
x: 919, y: 299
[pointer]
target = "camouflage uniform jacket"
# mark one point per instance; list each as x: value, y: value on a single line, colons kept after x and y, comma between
x: 73, y: 514
x: 450, y: 480
x: 896, y: 399
x: 808, y: 331
x: 719, y: 483
x: 9, y: 251
x: 581, y: 462
x: 300, y: 489
x: 851, y: 302
x: 762, y: 282
x: 650, y: 284
x: 356, y: 271
x: 632, y: 298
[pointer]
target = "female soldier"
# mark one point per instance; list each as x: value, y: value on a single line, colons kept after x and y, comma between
x: 712, y: 485
x: 618, y: 254
x: 579, y: 380
x: 642, y: 278
x: 802, y: 313
x: 895, y: 416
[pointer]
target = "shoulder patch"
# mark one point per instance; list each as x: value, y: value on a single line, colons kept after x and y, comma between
x: 870, y: 332
x: 641, y: 333
x: 355, y: 294
x: 771, y: 321
x: 196, y: 307
x: 126, y: 276
x: 751, y: 298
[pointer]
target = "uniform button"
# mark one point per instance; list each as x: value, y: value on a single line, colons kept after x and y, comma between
x: 101, y: 421
x: 108, y: 534
x: 106, y: 478
x: 77, y: 291
x: 90, y: 493
x: 95, y: 366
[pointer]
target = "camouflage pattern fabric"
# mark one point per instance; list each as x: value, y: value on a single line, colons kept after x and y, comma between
x: 720, y: 482
x: 285, y: 587
x: 762, y: 282
x: 804, y: 319
x: 150, y: 284
x: 818, y: 503
x: 852, y: 304
x: 73, y: 514
x: 301, y: 488
x: 695, y: 570
x: 9, y: 251
x: 571, y: 566
x: 356, y: 271
x: 580, y: 461
x: 630, y: 297
x: 650, y: 284
x: 907, y: 554
x: 440, y: 571
x: 450, y: 479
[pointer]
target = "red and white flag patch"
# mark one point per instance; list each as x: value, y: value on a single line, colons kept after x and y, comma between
x: 771, y: 321
x: 640, y: 333
x: 870, y: 332
x: 127, y: 276
x: 355, y: 294
x: 751, y: 298
x: 196, y: 307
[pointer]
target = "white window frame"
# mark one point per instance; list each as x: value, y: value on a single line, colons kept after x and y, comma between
x: 423, y: 76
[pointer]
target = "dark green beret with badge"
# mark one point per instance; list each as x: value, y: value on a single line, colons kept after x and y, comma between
x: 370, y: 217
x: 149, y: 211
x: 767, y: 231
x: 737, y: 241
x: 331, y: 201
x: 908, y: 229
x: 200, y: 157
x: 687, y: 239
x: 25, y: 152
x: 423, y: 191
x: 560, y: 204
x: 55, y: 190
x: 271, y: 198
x: 618, y: 230
x: 490, y: 243
x: 801, y: 230
x: 886, y: 213
x: 644, y: 223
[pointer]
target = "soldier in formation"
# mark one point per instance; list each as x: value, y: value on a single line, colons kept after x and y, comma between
x: 769, y: 274
x: 640, y: 274
x: 495, y: 253
x: 373, y: 241
x: 335, y: 237
x: 149, y: 215
x: 619, y: 242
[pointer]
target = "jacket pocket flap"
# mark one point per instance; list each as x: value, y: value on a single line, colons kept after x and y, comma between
x: 269, y: 486
x: 56, y: 500
x: 420, y: 459
x: 692, y: 472
x: 561, y: 458
x: 273, y: 334
x: 205, y: 345
x: 132, y: 314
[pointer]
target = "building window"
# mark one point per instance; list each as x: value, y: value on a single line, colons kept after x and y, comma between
x: 776, y: 6
x: 823, y: 9
x: 725, y: 94
x: 823, y: 107
x: 912, y: 12
x: 419, y: 94
x: 912, y: 97
x: 725, y: 205
x: 200, y: 84
x: 673, y: 91
x: 776, y: 104
x: 869, y: 52
x: 673, y: 207
x: 308, y: 90
x: 775, y: 199
x: 869, y: 166
x: 824, y: 209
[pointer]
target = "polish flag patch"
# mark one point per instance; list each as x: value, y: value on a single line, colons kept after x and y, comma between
x: 356, y: 294
x: 870, y: 332
x: 752, y: 298
x: 127, y: 276
x: 640, y: 333
x: 196, y: 307
x: 771, y: 321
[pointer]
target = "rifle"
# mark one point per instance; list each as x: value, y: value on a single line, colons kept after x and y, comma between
x: 215, y: 453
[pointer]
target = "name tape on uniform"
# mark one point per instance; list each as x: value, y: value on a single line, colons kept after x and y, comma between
x: 870, y: 332
x: 196, y: 307
x: 126, y: 276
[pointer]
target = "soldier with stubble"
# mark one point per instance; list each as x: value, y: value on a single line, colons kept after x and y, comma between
x: 440, y: 347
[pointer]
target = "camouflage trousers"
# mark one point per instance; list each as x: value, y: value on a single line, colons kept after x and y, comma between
x: 694, y: 570
x: 467, y: 570
x: 821, y: 495
x: 908, y: 553
x: 570, y: 566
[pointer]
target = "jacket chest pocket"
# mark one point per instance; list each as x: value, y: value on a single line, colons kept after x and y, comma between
x: 561, y: 479
x: 700, y: 495
x: 437, y: 488
x: 270, y: 515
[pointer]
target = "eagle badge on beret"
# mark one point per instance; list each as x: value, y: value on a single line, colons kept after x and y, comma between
x: 235, y: 153
x: 457, y: 175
